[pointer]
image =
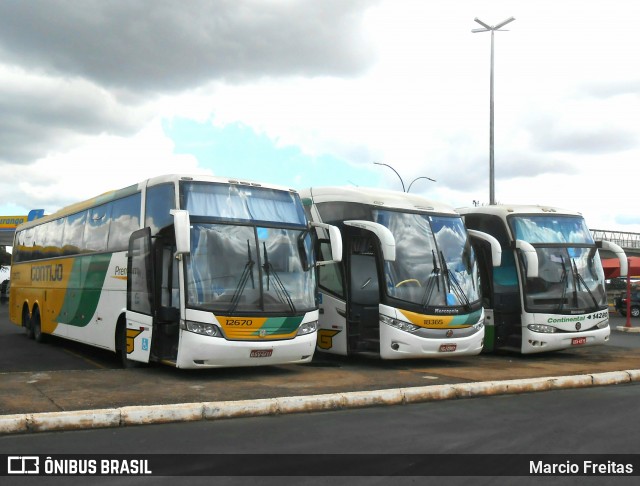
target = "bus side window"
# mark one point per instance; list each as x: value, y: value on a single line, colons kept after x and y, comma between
x: 125, y: 219
x: 169, y: 288
x: 330, y: 276
x: 72, y: 236
x: 160, y: 200
x: 96, y: 230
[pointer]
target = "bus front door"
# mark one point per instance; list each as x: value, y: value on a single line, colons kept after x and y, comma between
x: 138, y: 331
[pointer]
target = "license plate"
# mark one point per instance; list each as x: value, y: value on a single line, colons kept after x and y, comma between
x: 578, y: 341
x: 448, y: 348
x: 261, y: 353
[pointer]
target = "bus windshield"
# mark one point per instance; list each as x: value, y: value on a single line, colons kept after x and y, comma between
x: 251, y: 252
x: 243, y: 203
x: 246, y: 269
x: 435, y: 264
x: 551, y: 229
x: 570, y: 278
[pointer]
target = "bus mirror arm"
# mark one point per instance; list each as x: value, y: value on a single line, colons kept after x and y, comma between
x: 387, y: 240
x: 531, y: 257
x: 496, y: 250
x: 182, y: 227
x: 619, y: 252
x: 336, y: 242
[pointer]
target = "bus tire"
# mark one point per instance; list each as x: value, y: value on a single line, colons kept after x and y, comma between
x: 36, y: 326
x: 26, y: 322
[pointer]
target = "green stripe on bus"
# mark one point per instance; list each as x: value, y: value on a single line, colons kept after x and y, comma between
x: 280, y: 325
x: 84, y: 289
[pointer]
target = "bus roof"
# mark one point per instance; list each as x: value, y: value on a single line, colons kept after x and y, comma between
x: 376, y: 197
x: 504, y: 210
x: 163, y: 179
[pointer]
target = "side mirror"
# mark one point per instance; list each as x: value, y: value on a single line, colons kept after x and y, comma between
x: 496, y: 250
x: 620, y: 254
x: 530, y: 255
x: 387, y: 240
x: 335, y: 238
x: 182, y: 228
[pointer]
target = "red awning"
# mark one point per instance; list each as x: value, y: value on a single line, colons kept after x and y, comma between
x: 612, y: 267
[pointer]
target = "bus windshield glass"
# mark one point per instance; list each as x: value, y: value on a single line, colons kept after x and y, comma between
x: 551, y: 229
x: 435, y: 265
x: 570, y: 278
x: 251, y: 252
x: 242, y: 203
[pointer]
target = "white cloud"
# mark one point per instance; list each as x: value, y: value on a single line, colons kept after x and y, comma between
x: 101, y: 164
x: 403, y: 82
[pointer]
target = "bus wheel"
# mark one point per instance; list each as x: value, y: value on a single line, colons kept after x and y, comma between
x: 26, y: 323
x: 36, y: 327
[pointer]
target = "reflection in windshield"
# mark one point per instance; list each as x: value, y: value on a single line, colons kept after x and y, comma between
x: 551, y: 229
x: 244, y: 269
x: 435, y: 264
x: 570, y: 279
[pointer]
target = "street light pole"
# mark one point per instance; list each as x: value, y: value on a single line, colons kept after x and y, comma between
x: 401, y: 181
x: 492, y: 29
x: 417, y: 178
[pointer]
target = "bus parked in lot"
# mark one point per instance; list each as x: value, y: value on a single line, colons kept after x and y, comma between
x: 408, y: 285
x: 194, y: 272
x: 548, y: 293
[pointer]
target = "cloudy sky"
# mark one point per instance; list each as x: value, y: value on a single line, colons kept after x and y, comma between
x: 98, y: 95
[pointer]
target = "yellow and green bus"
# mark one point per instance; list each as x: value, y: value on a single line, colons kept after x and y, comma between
x: 191, y: 271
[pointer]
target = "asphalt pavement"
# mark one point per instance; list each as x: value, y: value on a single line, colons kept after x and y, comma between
x: 49, y: 392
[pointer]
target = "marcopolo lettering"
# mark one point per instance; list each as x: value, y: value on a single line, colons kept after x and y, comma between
x: 47, y: 273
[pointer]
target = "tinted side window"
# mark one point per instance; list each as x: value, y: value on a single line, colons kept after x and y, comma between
x: 330, y: 276
x: 96, y: 229
x: 73, y: 233
x: 125, y: 219
x: 160, y: 200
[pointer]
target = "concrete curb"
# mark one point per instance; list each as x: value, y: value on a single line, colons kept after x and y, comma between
x: 156, y: 414
x: 628, y: 329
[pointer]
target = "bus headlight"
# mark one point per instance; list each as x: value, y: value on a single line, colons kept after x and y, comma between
x: 202, y: 328
x: 307, y: 328
x: 542, y: 328
x: 402, y: 325
x: 602, y: 324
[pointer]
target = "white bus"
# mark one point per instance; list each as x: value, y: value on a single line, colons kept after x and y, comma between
x: 408, y: 285
x: 548, y: 293
x: 195, y: 272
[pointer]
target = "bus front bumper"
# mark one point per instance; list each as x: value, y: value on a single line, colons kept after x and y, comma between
x: 198, y: 351
x: 538, y: 342
x: 397, y: 344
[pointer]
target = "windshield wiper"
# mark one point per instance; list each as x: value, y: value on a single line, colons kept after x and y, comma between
x: 247, y: 273
x: 454, y: 285
x: 581, y: 280
x: 280, y: 289
x: 431, y: 283
x: 563, y: 280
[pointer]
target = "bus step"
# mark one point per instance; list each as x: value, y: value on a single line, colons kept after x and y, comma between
x: 370, y: 344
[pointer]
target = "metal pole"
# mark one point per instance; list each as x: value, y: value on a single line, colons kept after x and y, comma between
x: 492, y: 188
x: 417, y: 178
x: 491, y: 28
x: 401, y: 181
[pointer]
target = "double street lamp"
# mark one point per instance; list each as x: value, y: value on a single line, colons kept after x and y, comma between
x: 401, y: 181
x: 492, y: 29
